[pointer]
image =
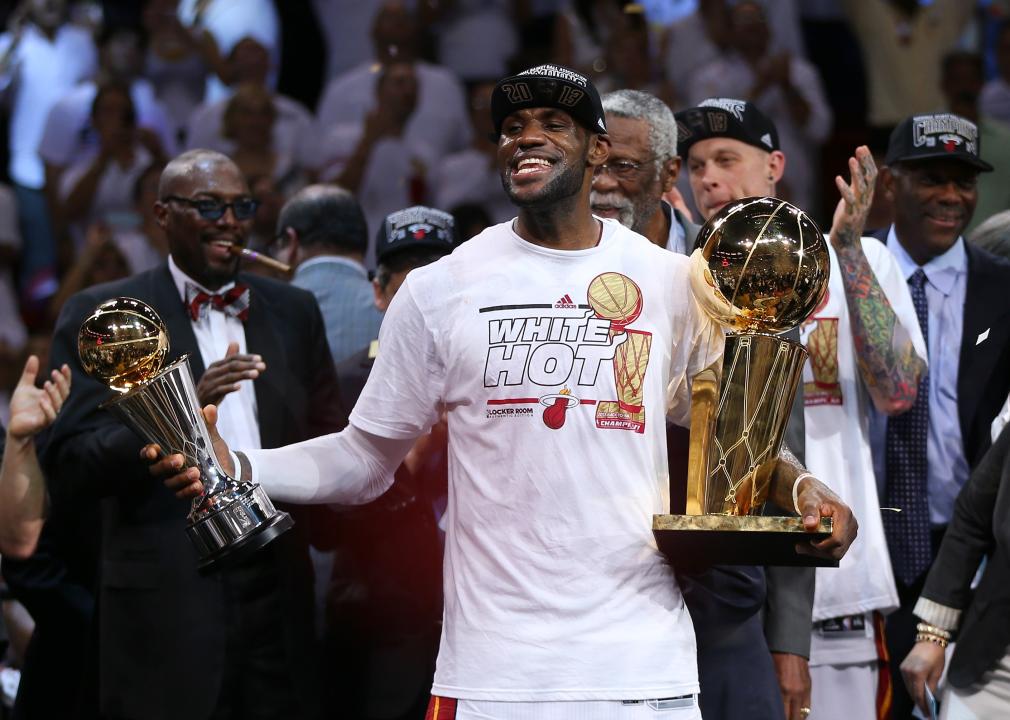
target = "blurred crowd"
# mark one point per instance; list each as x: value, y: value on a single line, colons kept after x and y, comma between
x: 359, y: 109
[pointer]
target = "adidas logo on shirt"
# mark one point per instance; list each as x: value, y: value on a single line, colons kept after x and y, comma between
x: 566, y: 302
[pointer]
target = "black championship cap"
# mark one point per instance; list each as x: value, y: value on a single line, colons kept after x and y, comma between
x: 943, y: 135
x: 415, y: 227
x: 725, y: 117
x: 548, y: 86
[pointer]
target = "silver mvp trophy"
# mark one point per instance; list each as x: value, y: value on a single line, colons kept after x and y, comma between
x: 123, y: 344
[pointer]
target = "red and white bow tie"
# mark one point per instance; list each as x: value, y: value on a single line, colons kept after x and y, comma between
x: 233, y: 302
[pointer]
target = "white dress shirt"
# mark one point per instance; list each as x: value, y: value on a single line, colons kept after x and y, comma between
x: 236, y: 415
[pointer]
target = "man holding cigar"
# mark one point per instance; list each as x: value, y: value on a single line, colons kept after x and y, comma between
x: 258, y: 347
x: 557, y: 602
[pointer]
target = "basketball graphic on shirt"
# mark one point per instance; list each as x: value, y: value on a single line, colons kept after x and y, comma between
x: 615, y: 297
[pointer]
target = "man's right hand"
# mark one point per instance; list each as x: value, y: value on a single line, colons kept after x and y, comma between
x: 921, y: 667
x: 33, y: 409
x: 224, y: 375
x: 171, y: 469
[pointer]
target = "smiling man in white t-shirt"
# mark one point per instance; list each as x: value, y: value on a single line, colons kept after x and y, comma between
x: 558, y: 345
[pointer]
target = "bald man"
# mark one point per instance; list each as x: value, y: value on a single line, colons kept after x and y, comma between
x: 172, y: 643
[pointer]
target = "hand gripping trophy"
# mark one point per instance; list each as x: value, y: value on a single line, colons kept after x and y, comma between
x: 760, y: 267
x: 124, y: 345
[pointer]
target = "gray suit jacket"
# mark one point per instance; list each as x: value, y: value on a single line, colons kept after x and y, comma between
x: 345, y: 298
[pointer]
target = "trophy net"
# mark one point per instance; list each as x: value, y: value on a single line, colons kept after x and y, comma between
x: 761, y: 375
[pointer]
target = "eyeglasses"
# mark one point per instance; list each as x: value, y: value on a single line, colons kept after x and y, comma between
x: 208, y: 209
x: 624, y: 169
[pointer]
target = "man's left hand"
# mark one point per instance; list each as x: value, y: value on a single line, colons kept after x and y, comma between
x: 815, y: 501
x: 793, y: 672
x: 857, y: 197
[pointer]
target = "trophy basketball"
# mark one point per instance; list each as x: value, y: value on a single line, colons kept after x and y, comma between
x: 760, y: 267
x: 123, y: 344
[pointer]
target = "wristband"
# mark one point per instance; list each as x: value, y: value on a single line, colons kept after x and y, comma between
x: 796, y: 489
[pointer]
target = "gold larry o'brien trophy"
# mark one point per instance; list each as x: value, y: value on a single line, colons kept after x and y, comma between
x: 123, y: 344
x: 760, y: 267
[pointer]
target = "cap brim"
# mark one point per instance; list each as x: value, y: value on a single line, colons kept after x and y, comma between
x: 976, y: 162
x: 416, y: 245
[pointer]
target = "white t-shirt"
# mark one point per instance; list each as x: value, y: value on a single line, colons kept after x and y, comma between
x: 554, y: 587
x: 837, y: 437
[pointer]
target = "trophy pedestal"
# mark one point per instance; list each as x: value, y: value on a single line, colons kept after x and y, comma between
x: 693, y: 540
x: 239, y: 525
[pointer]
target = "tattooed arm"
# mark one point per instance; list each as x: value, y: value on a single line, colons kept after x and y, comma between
x: 887, y: 361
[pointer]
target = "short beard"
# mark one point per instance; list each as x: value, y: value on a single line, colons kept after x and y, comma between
x: 632, y: 215
x: 567, y: 184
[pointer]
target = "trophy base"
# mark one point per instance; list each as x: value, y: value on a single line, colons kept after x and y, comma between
x: 233, y: 531
x: 702, y: 540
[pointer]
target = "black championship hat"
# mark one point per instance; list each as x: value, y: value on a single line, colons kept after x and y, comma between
x: 943, y: 135
x: 415, y: 227
x: 725, y: 117
x: 548, y: 86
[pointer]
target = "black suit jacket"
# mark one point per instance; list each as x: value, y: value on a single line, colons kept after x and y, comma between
x: 980, y: 527
x: 162, y: 625
x: 983, y: 375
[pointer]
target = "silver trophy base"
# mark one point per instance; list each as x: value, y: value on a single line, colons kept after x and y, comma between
x: 245, y: 522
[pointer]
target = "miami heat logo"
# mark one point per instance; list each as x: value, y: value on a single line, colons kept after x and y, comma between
x: 557, y: 408
x: 950, y: 142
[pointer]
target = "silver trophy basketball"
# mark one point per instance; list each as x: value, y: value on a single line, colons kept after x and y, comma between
x: 123, y: 344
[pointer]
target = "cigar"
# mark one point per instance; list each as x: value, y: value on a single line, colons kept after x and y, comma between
x: 266, y: 260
